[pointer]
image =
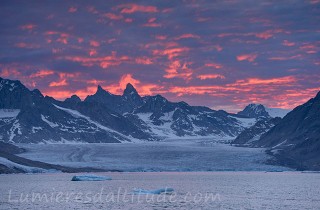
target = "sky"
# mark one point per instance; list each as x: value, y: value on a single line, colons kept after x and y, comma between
x: 215, y: 53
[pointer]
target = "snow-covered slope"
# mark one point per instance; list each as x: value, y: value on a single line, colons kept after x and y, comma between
x: 277, y: 112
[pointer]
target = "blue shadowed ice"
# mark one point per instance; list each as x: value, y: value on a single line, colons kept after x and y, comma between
x: 90, y: 177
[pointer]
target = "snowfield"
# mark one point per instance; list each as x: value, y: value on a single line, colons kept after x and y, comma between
x: 277, y: 112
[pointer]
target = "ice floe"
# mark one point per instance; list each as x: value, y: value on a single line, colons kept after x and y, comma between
x: 90, y: 177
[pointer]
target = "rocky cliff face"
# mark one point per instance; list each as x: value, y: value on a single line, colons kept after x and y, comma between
x: 296, y: 138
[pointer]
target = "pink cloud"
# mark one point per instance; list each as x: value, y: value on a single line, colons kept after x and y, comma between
x: 26, y: 45
x: 187, y: 36
x: 210, y: 76
x: 143, y: 60
x: 92, y: 52
x: 29, y: 27
x: 214, y: 65
x: 59, y: 83
x: 42, y: 73
x: 102, y: 61
x: 288, y: 44
x: 284, y: 58
x: 94, y: 43
x: 247, y: 57
x: 151, y: 23
x: 161, y: 37
x: 133, y: 8
x: 172, y: 52
x: 176, y: 69
x: 113, y: 16
x: 72, y: 9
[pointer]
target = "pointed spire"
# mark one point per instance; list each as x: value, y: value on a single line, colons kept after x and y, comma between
x: 99, y: 88
x: 130, y: 90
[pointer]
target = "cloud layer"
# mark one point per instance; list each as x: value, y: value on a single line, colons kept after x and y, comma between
x: 222, y: 54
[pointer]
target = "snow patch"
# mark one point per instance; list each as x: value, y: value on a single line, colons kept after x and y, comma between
x: 9, y: 113
x: 281, y: 143
x: 14, y: 129
x: 77, y: 114
x: 277, y: 112
x: 51, y: 124
x: 36, y: 129
x: 163, y: 130
x: 246, y: 122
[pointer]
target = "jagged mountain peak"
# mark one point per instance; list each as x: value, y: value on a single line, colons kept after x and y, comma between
x: 37, y: 92
x: 101, y: 91
x: 130, y: 90
x: 255, y: 111
x: 318, y: 96
x: 73, y: 99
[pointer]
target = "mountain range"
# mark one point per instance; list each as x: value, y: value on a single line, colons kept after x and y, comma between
x: 26, y: 116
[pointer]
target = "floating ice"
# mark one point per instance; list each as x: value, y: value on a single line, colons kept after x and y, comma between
x: 90, y: 177
x: 156, y: 192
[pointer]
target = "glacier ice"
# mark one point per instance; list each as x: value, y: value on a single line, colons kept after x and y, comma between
x: 90, y: 177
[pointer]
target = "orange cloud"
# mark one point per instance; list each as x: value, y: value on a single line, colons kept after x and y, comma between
x: 210, y: 76
x: 7, y: 72
x: 92, y: 52
x: 144, y: 60
x: 161, y: 37
x: 103, y: 62
x: 62, y: 37
x: 187, y: 36
x: 214, y: 65
x: 42, y: 73
x: 309, y: 48
x: 132, y: 8
x: 247, y: 57
x: 128, y: 20
x: 287, y: 43
x: 127, y: 78
x: 264, y: 35
x: 59, y: 94
x: 58, y: 83
x: 280, y: 58
x: 113, y: 16
x: 273, y: 81
x: 178, y: 70
x: 94, y: 43
x: 29, y: 27
x: 172, y: 52
x: 248, y: 85
x: 151, y: 23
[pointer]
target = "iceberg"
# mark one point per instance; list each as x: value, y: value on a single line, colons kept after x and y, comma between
x: 90, y: 177
x: 155, y: 192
